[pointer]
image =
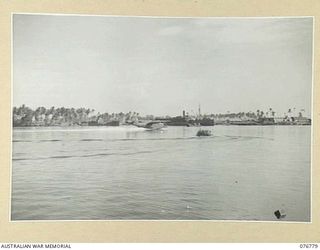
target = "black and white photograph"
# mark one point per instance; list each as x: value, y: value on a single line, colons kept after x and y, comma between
x: 161, y: 118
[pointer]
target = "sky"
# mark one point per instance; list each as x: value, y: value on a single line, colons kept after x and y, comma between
x: 162, y: 66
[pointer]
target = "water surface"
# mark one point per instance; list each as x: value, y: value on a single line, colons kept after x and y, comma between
x: 127, y: 173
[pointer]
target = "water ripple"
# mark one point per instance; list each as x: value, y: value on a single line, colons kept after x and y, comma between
x: 80, y: 156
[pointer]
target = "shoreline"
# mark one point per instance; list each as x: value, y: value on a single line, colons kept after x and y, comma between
x: 123, y: 126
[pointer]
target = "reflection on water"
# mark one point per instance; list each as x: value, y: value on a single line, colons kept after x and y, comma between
x: 240, y: 173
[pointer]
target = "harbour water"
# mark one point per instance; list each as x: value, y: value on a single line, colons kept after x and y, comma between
x: 128, y: 173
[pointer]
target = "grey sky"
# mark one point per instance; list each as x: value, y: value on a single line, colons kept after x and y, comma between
x: 162, y: 65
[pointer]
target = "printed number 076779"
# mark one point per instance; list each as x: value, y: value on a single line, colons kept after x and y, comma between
x: 308, y: 245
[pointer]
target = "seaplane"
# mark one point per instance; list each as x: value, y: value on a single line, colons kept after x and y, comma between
x: 150, y: 125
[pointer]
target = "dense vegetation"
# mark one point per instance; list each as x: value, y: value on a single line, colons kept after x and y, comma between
x: 25, y: 116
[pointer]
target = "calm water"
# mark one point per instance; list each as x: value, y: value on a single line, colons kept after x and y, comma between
x: 88, y: 173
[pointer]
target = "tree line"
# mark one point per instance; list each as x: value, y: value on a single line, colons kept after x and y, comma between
x: 24, y: 116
